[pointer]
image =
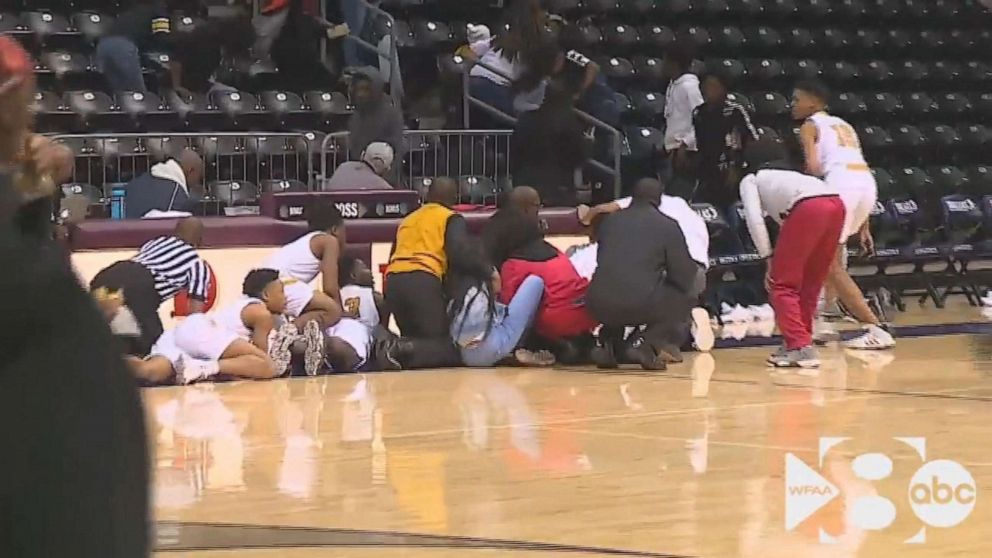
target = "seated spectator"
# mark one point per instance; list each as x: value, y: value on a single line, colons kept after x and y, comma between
x: 548, y: 146
x: 517, y: 244
x: 644, y: 276
x: 375, y: 117
x: 367, y: 174
x: 141, y: 28
x: 166, y: 187
x: 508, y: 53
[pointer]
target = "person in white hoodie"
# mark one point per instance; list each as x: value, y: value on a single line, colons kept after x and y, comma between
x: 811, y: 214
x: 681, y: 99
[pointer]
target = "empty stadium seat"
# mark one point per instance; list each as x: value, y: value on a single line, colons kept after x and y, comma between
x: 233, y: 192
x: 284, y: 109
x: 477, y: 190
x: 281, y: 186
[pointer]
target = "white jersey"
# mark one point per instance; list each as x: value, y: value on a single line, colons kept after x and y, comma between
x: 697, y: 237
x: 229, y: 319
x: 837, y: 145
x: 296, y: 260
x: 360, y: 302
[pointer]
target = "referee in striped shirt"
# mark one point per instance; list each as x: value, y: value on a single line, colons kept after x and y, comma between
x: 163, y: 267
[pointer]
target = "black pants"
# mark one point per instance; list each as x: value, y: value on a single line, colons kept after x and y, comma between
x: 140, y: 297
x: 74, y: 472
x: 665, y: 312
x: 417, y: 301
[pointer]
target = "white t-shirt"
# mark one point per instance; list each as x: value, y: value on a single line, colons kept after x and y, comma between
x: 681, y: 98
x: 697, y: 237
x: 584, y: 260
x: 494, y: 58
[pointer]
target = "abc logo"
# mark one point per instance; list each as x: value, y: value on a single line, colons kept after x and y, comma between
x: 942, y: 493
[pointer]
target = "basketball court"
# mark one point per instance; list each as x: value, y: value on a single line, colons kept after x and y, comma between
x: 549, y: 462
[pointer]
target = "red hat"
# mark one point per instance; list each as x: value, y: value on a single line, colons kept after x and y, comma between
x: 15, y: 64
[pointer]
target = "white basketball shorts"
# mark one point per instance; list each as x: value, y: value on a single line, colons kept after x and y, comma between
x: 859, y: 193
x: 354, y: 333
x: 195, y: 337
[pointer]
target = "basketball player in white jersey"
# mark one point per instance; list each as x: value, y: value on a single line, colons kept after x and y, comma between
x: 832, y: 151
x: 350, y: 340
x: 299, y: 263
x: 238, y: 340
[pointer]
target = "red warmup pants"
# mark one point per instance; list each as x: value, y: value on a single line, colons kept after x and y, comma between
x: 807, y: 243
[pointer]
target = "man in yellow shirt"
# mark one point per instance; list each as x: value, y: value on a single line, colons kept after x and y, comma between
x: 431, y: 242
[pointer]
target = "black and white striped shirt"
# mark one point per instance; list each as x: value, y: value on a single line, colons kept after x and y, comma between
x: 175, y: 266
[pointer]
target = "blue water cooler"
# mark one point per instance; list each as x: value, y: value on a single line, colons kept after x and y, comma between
x: 118, y: 193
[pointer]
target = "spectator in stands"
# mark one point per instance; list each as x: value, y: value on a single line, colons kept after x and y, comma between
x: 649, y: 282
x: 210, y: 52
x: 723, y: 127
x: 296, y: 50
x: 166, y: 187
x: 517, y: 45
x: 681, y: 99
x: 548, y: 146
x: 375, y: 117
x: 367, y: 174
x: 64, y: 392
x: 141, y: 28
x: 271, y: 19
x: 162, y: 267
x: 430, y: 242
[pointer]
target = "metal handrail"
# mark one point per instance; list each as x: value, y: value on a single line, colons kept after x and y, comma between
x: 395, y: 79
x: 468, y: 101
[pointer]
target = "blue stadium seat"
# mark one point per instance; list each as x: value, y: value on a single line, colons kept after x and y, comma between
x: 284, y: 109
x: 649, y: 71
x: 802, y: 69
x: 657, y: 37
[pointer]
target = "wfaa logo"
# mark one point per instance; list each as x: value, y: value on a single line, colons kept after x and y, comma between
x: 941, y: 493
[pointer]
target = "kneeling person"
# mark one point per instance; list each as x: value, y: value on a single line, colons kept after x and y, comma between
x: 238, y: 340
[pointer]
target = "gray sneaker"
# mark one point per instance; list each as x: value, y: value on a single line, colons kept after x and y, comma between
x: 805, y: 357
x: 313, y: 357
x: 280, y: 345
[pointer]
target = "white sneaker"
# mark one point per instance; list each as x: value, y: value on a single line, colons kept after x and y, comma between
x: 733, y: 330
x: 874, y: 338
x: 740, y: 314
x: 766, y: 312
x: 189, y: 370
x: 702, y: 332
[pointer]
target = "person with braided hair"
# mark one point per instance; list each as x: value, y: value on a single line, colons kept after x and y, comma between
x: 74, y: 476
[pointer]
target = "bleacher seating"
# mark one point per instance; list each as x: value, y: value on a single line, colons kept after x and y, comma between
x: 911, y: 75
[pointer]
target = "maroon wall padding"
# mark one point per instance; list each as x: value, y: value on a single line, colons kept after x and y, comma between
x: 232, y: 232
x: 353, y: 204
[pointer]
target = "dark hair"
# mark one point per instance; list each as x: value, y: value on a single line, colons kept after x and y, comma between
x: 508, y: 230
x: 346, y: 269
x: 323, y: 216
x: 815, y: 88
x: 766, y: 149
x: 461, y: 280
x: 257, y: 280
x: 721, y: 77
x: 681, y: 53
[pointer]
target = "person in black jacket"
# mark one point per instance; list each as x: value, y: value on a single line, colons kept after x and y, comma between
x: 723, y: 128
x: 548, y: 145
x: 74, y: 474
x: 644, y: 276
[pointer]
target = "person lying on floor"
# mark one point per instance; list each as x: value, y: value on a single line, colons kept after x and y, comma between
x: 239, y: 340
x: 515, y: 242
x: 349, y: 341
x: 487, y: 331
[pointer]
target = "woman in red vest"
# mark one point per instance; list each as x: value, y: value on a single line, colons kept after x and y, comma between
x: 516, y: 244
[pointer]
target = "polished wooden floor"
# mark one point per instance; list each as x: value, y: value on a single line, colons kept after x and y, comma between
x: 568, y: 461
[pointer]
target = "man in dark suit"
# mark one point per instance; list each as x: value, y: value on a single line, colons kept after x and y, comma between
x: 644, y: 277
